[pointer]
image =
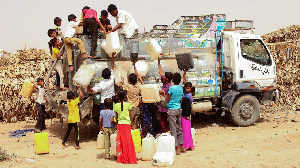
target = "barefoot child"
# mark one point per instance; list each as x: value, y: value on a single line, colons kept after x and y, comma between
x: 186, y: 106
x: 107, y: 124
x: 40, y: 104
x: 125, y: 146
x: 73, y: 118
x: 174, y: 112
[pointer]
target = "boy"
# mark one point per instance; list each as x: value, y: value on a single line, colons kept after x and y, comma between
x: 106, y: 86
x: 90, y: 20
x: 133, y: 92
x: 57, y: 24
x: 69, y: 39
x: 107, y: 124
x: 52, y: 33
x: 73, y: 118
x: 40, y: 104
x: 126, y: 23
x: 174, y: 112
x: 105, y: 21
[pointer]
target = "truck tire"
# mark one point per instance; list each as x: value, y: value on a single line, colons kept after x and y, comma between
x: 245, y: 111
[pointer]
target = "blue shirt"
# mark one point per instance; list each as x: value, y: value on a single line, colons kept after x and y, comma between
x: 106, y: 118
x: 176, y: 94
x: 188, y: 95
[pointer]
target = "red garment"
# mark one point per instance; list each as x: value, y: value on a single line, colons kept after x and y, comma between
x: 125, y: 147
x: 90, y: 13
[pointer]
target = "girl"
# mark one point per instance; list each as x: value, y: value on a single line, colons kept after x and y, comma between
x: 55, y: 44
x: 186, y: 106
x: 125, y: 147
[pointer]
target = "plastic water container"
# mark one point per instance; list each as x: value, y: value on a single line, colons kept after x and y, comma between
x: 112, y: 44
x: 27, y: 89
x: 150, y: 93
x: 148, y: 147
x: 163, y: 159
x: 185, y: 61
x: 84, y: 75
x: 118, y: 73
x: 165, y: 143
x: 153, y: 49
x: 193, y: 131
x: 136, y: 137
x: 113, y: 144
x: 41, y: 143
x: 100, y: 140
x: 142, y: 68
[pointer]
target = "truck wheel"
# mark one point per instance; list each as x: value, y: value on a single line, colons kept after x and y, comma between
x: 245, y: 110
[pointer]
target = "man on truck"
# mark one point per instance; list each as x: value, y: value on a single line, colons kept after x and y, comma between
x: 125, y: 22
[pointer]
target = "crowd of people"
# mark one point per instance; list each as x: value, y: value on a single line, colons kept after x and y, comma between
x: 121, y: 109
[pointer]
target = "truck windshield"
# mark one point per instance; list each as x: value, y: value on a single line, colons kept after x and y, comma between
x: 254, y: 50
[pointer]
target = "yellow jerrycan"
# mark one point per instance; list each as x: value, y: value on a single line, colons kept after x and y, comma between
x: 136, y: 137
x: 41, y: 143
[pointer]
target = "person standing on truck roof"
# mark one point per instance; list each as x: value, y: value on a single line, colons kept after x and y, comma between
x: 106, y: 86
x: 69, y: 40
x: 105, y: 21
x: 90, y: 21
x: 167, y: 83
x: 125, y: 22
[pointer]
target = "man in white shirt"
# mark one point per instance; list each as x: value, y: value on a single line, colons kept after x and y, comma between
x: 125, y: 22
x: 106, y: 86
x: 69, y: 39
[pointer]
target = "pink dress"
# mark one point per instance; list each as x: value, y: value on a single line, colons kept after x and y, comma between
x: 186, y: 131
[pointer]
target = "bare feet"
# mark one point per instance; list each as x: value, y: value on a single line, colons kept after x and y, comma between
x: 183, y: 150
x: 64, y: 145
x: 85, y: 56
x: 107, y: 159
x: 62, y: 89
x: 191, y: 149
x: 77, y: 147
x: 177, y: 150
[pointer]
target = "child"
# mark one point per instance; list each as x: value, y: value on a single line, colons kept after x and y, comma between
x: 167, y: 83
x: 73, y: 118
x: 174, y: 112
x: 186, y: 106
x: 52, y: 33
x: 40, y: 104
x: 91, y: 21
x: 107, y: 85
x: 55, y: 44
x: 57, y: 24
x: 105, y: 21
x: 125, y: 146
x: 69, y: 39
x: 133, y: 92
x: 107, y: 124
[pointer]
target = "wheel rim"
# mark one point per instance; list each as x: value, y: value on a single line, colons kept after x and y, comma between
x: 246, y: 111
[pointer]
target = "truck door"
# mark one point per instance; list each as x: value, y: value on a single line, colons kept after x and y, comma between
x: 255, y: 63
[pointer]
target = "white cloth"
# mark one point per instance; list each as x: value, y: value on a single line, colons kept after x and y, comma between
x: 106, y: 87
x: 40, y: 96
x: 71, y: 29
x: 59, y: 68
x: 128, y: 23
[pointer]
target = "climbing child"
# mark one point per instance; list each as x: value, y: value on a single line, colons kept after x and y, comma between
x: 125, y: 146
x: 55, y: 45
x: 174, y: 112
x: 57, y: 24
x: 186, y: 106
x: 106, y: 86
x: 40, y: 104
x: 69, y: 40
x: 107, y: 124
x: 73, y: 118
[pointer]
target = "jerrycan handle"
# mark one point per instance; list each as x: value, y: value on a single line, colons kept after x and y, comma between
x: 164, y: 134
x: 101, y: 132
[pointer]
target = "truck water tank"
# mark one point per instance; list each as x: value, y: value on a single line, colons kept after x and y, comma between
x: 153, y: 49
x: 150, y: 93
x: 148, y: 147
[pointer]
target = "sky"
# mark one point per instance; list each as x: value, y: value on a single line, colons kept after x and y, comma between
x: 27, y: 21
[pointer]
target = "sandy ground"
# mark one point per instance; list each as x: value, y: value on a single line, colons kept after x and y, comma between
x: 272, y: 142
